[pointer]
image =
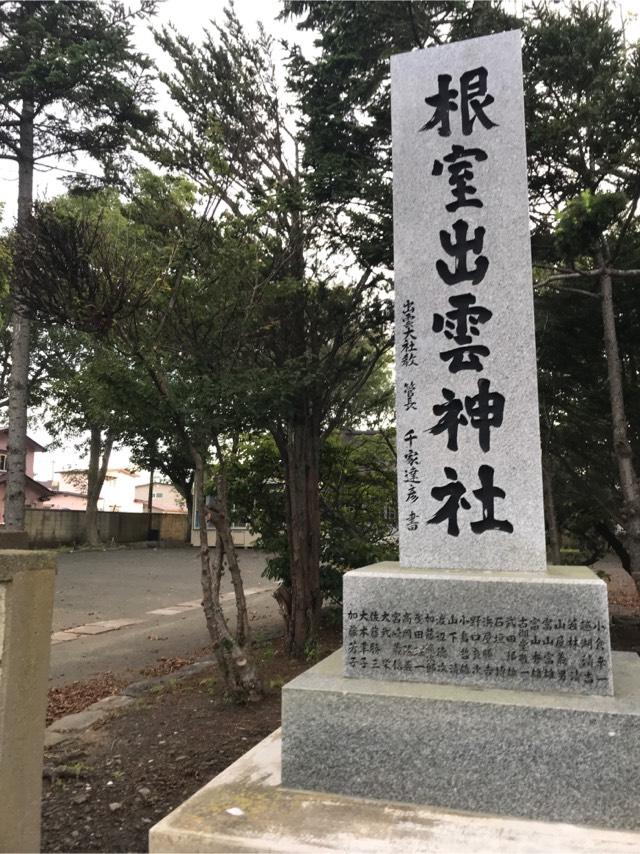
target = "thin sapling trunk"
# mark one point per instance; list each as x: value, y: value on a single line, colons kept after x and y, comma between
x: 99, y: 454
x: 233, y: 653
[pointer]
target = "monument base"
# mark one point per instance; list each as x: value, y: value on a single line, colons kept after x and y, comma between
x: 550, y: 757
x: 246, y: 809
x: 537, y: 631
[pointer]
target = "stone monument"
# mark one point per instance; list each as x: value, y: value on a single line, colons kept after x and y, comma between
x: 473, y: 677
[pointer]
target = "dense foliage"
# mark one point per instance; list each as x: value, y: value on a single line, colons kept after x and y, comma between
x: 358, y: 503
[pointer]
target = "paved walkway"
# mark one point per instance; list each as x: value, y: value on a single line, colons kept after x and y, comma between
x: 122, y: 610
x: 93, y: 586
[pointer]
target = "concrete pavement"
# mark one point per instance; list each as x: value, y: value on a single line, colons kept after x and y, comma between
x: 121, y: 610
x: 116, y: 583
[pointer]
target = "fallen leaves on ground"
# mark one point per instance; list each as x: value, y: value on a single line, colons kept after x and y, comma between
x: 78, y: 695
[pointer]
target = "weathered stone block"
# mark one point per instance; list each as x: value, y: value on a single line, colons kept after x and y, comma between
x: 27, y: 583
x: 554, y: 757
x: 528, y: 631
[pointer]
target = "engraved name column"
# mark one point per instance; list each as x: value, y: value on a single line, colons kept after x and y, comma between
x: 470, y: 488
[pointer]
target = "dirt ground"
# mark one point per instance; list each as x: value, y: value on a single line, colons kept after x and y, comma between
x: 103, y: 792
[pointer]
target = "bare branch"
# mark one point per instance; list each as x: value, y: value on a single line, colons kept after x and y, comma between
x: 623, y: 274
x: 555, y: 280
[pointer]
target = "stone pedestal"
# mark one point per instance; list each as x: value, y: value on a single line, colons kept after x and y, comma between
x: 549, y: 757
x: 26, y: 604
x: 245, y: 809
x: 535, y: 631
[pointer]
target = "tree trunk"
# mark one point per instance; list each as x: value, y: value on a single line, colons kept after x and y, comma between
x: 95, y: 481
x: 185, y: 488
x: 188, y: 500
x: 302, y: 479
x: 150, y: 505
x: 221, y: 519
x: 299, y: 445
x: 613, y: 542
x: 621, y: 443
x: 235, y: 659
x: 550, y: 514
x: 14, y: 515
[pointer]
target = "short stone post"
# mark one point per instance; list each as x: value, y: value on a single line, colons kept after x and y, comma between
x: 26, y: 604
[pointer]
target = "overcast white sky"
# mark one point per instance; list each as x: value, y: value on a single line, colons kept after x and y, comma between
x: 190, y: 17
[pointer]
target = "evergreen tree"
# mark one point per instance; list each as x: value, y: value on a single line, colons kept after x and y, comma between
x: 70, y: 81
x: 318, y: 338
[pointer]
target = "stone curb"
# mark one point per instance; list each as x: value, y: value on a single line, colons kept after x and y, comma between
x: 138, y: 689
x: 118, y: 547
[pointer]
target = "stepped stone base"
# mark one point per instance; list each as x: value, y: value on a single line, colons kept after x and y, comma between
x: 550, y: 757
x: 245, y: 809
x: 534, y: 631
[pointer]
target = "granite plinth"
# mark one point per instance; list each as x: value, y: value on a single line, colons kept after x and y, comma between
x: 245, y: 809
x: 525, y: 631
x: 550, y: 757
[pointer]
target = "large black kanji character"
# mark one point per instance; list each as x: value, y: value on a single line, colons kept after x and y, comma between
x: 485, y: 410
x: 487, y: 495
x: 461, y: 323
x: 452, y: 417
x: 465, y: 358
x: 444, y: 102
x: 461, y: 175
x: 453, y: 493
x: 459, y: 249
x: 473, y: 88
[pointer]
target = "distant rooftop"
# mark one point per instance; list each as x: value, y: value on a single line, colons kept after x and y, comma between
x: 35, y: 446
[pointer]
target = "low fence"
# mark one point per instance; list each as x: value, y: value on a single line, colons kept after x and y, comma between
x: 50, y: 528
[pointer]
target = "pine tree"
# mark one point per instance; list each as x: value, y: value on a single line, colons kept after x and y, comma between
x: 71, y: 82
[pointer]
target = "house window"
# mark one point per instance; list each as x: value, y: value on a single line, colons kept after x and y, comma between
x: 196, y: 522
x: 3, y: 462
x: 157, y: 494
